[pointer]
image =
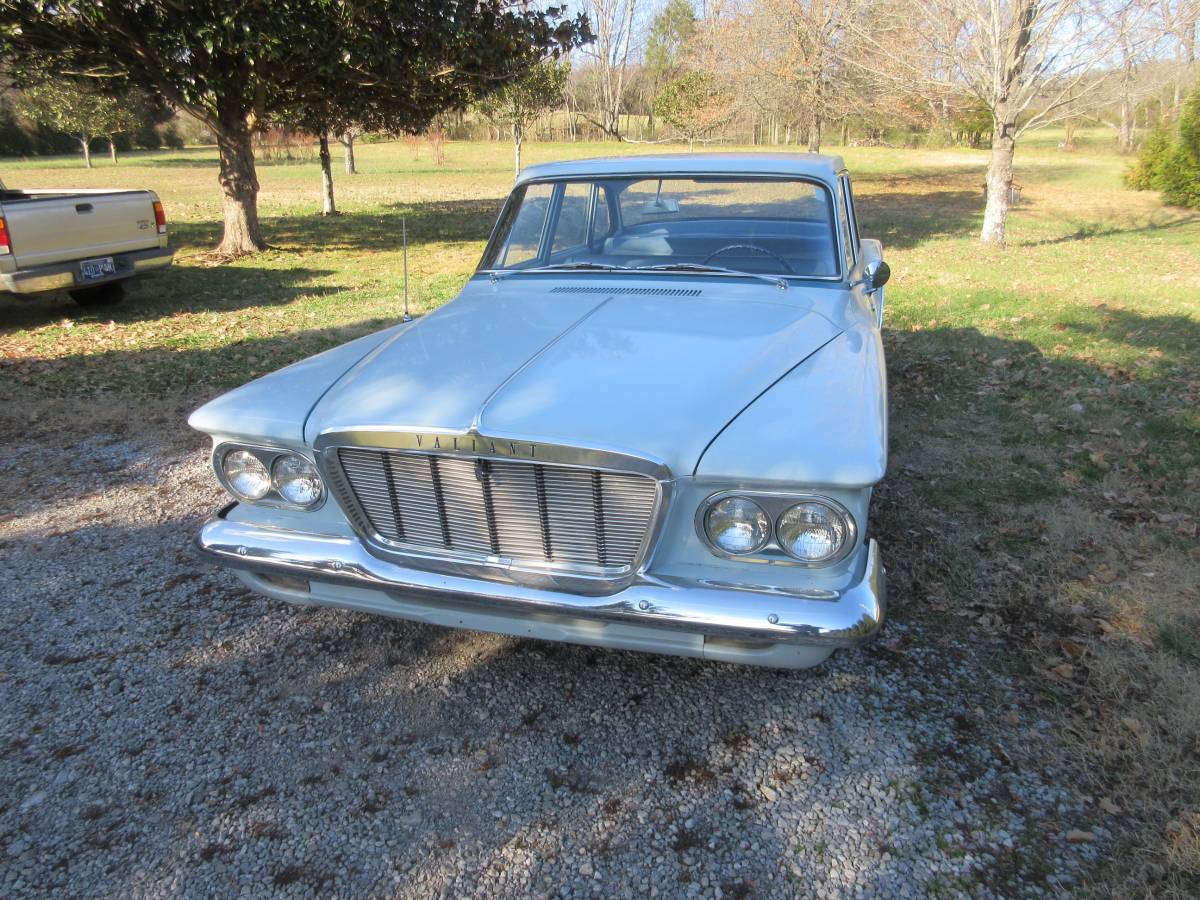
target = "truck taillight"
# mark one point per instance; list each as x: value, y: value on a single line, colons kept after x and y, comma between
x: 5, y: 246
x: 160, y: 217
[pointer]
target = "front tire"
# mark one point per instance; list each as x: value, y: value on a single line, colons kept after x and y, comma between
x: 101, y: 295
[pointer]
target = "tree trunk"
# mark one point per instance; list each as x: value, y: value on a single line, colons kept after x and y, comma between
x: 84, y: 140
x: 348, y: 140
x: 845, y: 132
x: 327, y: 206
x: 239, y: 182
x: 814, y: 134
x: 999, y: 183
x: 1125, y: 135
x: 517, y: 136
x: 112, y: 150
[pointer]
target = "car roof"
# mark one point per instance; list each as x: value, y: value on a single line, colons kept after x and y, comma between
x: 811, y: 165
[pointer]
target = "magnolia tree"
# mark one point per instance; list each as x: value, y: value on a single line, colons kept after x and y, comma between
x: 240, y: 67
x: 78, y: 109
x: 520, y: 103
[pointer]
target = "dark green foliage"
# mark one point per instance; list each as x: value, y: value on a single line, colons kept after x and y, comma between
x: 669, y: 33
x: 694, y: 105
x: 171, y: 137
x: 1169, y: 160
x: 241, y: 67
x: 1180, y: 176
x: 1144, y: 176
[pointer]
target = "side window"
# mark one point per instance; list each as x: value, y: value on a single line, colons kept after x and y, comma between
x: 572, y: 227
x: 525, y: 238
x: 845, y: 219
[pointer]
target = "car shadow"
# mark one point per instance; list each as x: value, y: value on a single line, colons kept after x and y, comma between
x: 428, y: 222
x: 177, y: 290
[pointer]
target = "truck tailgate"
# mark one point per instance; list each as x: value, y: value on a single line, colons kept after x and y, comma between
x: 79, y: 225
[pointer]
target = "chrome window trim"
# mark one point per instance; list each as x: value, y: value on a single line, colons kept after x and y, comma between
x: 574, y: 577
x: 853, y: 214
x: 774, y: 504
x: 267, y: 456
x: 846, y: 208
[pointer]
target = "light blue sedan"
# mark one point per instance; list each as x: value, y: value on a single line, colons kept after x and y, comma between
x: 651, y: 420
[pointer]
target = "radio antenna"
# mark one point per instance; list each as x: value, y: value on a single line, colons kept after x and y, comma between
x: 404, y: 239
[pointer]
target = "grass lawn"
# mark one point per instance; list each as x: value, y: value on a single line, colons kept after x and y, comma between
x: 1043, y: 494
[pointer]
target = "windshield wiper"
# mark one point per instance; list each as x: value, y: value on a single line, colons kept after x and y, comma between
x: 780, y: 283
x: 565, y: 267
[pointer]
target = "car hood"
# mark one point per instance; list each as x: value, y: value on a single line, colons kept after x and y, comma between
x: 635, y: 369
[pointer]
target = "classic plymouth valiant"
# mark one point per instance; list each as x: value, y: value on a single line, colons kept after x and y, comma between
x: 651, y: 420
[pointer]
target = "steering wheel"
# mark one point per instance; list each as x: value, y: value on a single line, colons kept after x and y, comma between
x: 775, y: 256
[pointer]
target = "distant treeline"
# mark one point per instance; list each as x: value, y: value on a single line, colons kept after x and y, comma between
x: 21, y: 137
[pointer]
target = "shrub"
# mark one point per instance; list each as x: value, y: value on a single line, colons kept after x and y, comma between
x: 1170, y: 162
x: 1179, y: 178
x: 171, y: 138
x: 1144, y: 176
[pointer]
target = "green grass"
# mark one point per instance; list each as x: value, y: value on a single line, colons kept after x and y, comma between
x: 1045, y: 467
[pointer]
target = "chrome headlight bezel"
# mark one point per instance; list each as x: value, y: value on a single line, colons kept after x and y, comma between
x: 775, y: 504
x: 268, y: 456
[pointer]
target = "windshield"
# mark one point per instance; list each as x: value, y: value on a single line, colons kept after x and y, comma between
x: 763, y: 226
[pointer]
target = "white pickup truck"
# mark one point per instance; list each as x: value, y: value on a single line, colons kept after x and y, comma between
x: 85, y: 242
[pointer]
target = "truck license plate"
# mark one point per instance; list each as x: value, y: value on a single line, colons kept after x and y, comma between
x: 91, y: 269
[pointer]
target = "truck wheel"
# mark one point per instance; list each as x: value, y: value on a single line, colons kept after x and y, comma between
x: 101, y: 295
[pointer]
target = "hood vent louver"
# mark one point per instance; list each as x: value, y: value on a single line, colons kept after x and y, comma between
x: 655, y: 292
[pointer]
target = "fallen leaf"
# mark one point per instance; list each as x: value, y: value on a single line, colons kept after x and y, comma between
x: 1137, y: 727
x: 1064, y: 670
x: 1075, y: 836
x: 1109, y: 807
x: 1072, y: 649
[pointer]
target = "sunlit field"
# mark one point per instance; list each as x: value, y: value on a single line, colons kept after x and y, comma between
x: 1042, y: 499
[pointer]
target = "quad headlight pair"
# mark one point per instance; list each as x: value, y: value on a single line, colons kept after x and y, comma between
x: 812, y: 530
x: 279, y: 477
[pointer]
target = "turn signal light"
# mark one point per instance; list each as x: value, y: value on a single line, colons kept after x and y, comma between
x: 160, y: 217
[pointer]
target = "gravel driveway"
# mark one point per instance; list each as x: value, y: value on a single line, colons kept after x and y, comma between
x: 163, y: 732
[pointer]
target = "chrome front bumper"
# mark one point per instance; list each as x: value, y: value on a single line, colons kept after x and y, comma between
x: 65, y: 276
x: 326, y: 564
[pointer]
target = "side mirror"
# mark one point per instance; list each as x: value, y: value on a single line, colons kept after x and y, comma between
x: 876, y: 274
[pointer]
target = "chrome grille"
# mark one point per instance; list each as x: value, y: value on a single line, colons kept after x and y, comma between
x: 529, y: 512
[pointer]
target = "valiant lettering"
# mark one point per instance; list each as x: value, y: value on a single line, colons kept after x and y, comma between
x: 473, y: 444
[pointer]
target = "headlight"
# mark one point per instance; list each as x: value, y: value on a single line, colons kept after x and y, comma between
x: 737, y: 525
x: 246, y: 474
x: 812, y: 531
x: 296, y: 479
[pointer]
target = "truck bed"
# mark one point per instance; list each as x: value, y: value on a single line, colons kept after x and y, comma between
x: 55, y: 226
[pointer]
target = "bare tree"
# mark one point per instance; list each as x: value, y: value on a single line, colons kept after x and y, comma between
x: 1026, y: 61
x: 785, y: 59
x: 1134, y: 28
x: 1180, y: 20
x: 613, y: 24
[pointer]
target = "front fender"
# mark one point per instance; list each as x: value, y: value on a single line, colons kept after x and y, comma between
x: 275, y: 407
x: 824, y: 424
